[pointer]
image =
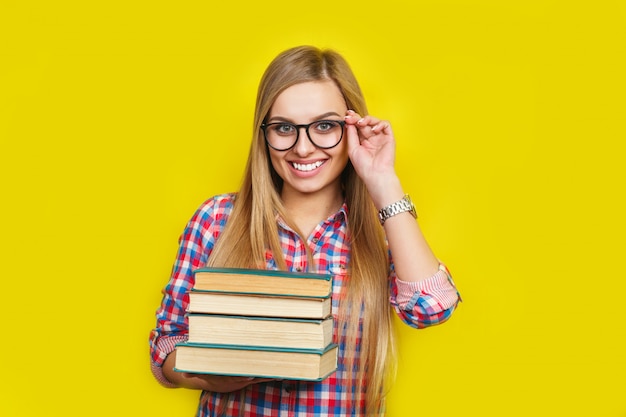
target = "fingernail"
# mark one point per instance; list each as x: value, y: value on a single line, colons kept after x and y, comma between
x: 360, y: 121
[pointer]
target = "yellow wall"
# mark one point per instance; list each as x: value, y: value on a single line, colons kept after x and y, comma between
x: 118, y: 118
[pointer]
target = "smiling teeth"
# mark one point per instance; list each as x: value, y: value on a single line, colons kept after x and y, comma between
x: 307, y: 167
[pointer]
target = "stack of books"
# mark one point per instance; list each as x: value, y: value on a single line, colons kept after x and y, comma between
x: 259, y: 323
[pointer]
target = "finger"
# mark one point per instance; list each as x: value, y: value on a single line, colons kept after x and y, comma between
x: 368, y: 121
x: 382, y: 126
x: 352, y: 117
x: 365, y: 131
x: 253, y: 381
x: 259, y: 380
x: 370, y: 126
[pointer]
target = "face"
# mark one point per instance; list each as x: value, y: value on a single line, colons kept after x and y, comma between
x: 306, y: 169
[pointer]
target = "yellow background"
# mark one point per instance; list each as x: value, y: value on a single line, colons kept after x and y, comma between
x: 117, y: 119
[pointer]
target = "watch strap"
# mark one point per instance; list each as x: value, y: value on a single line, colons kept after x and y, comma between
x: 400, y: 206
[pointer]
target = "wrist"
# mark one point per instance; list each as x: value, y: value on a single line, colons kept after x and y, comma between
x: 385, y: 190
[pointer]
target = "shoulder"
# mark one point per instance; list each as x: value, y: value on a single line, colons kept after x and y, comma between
x: 209, y: 219
x: 213, y: 212
x: 216, y: 207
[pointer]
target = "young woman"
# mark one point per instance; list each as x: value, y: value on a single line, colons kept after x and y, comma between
x: 320, y: 194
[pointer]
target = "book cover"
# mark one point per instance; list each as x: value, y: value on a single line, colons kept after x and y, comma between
x: 260, y: 331
x: 265, y: 362
x: 261, y: 281
x: 245, y: 304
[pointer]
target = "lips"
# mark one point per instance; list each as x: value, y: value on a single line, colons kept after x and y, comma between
x: 307, y: 167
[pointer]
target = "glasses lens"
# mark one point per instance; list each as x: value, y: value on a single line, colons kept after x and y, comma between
x: 281, y: 136
x: 326, y: 133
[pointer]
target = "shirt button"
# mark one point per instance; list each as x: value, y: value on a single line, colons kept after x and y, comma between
x: 315, y: 240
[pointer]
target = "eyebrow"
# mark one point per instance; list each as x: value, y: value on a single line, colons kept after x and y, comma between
x: 286, y: 119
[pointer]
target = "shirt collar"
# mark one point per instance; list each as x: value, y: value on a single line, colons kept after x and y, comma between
x: 340, y: 215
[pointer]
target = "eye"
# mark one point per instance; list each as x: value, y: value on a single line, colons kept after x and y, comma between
x: 283, y: 129
x: 326, y: 126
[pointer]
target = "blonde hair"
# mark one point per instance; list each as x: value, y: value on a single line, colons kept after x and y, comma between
x: 252, y: 228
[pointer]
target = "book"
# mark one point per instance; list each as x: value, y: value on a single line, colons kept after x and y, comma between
x: 260, y: 331
x: 262, y: 362
x: 251, y: 322
x: 245, y: 304
x: 261, y: 281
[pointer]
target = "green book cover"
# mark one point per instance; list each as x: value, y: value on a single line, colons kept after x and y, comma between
x: 267, y: 294
x: 261, y: 281
x: 263, y: 318
x: 253, y: 361
x: 261, y: 348
x: 266, y: 272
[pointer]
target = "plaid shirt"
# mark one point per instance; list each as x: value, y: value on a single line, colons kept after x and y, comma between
x: 418, y: 304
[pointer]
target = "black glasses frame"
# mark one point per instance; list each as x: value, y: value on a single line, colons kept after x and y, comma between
x: 306, y: 127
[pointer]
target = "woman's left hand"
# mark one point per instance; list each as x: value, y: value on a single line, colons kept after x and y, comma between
x: 371, y: 147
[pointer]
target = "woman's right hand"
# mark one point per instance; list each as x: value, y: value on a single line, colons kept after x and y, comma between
x: 220, y: 383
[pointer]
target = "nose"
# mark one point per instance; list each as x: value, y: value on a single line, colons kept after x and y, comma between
x: 303, y: 146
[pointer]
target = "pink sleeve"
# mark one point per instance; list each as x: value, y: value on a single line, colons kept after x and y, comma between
x: 439, y: 286
x: 165, y: 345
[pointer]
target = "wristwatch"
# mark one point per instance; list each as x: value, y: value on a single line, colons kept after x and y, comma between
x: 400, y: 206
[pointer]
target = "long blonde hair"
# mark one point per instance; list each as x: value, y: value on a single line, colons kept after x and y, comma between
x: 252, y: 229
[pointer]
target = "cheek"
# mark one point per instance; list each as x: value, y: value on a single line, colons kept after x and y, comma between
x: 277, y: 163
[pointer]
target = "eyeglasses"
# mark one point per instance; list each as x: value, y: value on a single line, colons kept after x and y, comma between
x: 324, y: 134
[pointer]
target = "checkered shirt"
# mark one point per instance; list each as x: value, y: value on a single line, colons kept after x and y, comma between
x: 419, y: 305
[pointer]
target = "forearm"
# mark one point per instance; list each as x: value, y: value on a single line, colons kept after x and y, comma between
x: 177, y: 378
x: 412, y: 256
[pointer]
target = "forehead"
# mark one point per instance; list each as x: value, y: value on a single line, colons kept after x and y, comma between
x: 307, y: 100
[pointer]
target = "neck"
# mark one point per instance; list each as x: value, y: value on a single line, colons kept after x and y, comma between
x: 309, y: 209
